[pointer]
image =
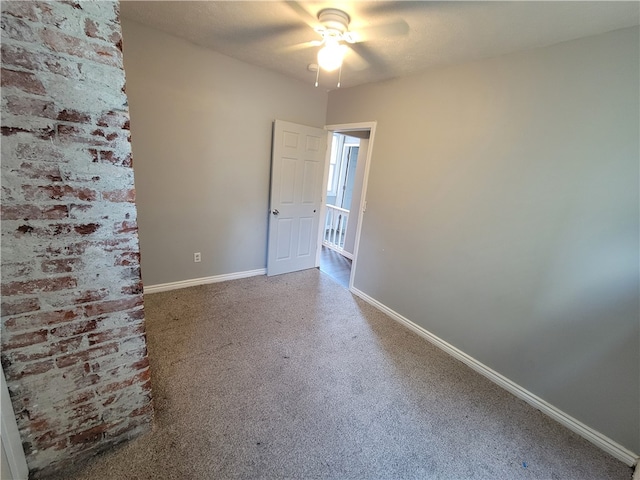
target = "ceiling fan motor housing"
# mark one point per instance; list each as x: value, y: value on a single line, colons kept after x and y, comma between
x: 334, y: 19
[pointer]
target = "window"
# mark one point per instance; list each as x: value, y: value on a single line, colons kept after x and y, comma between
x: 334, y: 165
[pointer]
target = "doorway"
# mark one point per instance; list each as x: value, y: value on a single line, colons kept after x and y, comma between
x: 346, y: 172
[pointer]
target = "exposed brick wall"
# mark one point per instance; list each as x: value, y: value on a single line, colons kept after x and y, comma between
x: 73, y: 340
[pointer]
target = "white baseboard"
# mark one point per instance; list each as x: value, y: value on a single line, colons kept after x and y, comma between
x: 347, y: 255
x: 595, y: 437
x: 341, y: 251
x: 164, y: 287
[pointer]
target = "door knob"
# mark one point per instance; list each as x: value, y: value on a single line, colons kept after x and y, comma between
x: 275, y: 211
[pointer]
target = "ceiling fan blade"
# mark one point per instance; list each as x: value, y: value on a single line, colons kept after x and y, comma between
x: 305, y: 15
x: 371, y: 32
x: 396, y: 7
x: 355, y: 60
x: 301, y: 46
x: 252, y: 34
x: 373, y: 60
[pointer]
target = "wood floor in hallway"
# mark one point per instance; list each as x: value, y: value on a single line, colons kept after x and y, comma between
x: 336, y: 266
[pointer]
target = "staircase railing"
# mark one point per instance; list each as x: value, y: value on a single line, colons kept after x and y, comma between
x: 335, y: 227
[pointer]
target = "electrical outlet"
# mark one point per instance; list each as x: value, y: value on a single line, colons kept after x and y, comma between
x: 197, y: 257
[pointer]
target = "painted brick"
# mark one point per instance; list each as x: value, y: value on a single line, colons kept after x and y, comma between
x: 134, y: 289
x: 25, y: 339
x: 25, y: 10
x: 41, y: 152
x: 34, y: 212
x: 101, y: 337
x: 59, y: 230
x: 18, y: 306
x: 128, y: 258
x: 126, y: 227
x: 127, y: 195
x: 44, y: 133
x: 58, y: 192
x: 34, y: 107
x: 79, y: 211
x: 17, y: 270
x: 115, y: 244
x: 73, y: 116
x: 15, y: 28
x: 40, y: 319
x: 86, y: 229
x: 79, y: 297
x: 40, y: 285
x: 28, y: 369
x: 25, y: 81
x: 64, y: 265
x: 45, y: 350
x: 114, y: 119
x: 67, y: 250
x: 104, y: 31
x: 77, y: 47
x: 86, y: 355
x: 112, y: 306
x: 73, y: 342
x: 73, y: 329
x: 37, y: 170
x: 18, y: 56
x: 113, y: 158
x: 99, y: 137
x: 119, y: 385
x: 91, y: 435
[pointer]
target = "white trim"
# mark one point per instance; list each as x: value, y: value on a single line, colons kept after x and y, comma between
x: 165, y: 287
x: 342, y: 252
x: 323, y: 198
x: 10, y: 441
x: 342, y: 127
x: 595, y: 437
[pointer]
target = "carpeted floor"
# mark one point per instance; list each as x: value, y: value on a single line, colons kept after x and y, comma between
x: 291, y: 377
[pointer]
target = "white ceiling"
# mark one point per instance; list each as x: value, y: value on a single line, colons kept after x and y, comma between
x: 401, y: 37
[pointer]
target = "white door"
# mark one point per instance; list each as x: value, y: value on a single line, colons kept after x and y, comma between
x: 297, y: 167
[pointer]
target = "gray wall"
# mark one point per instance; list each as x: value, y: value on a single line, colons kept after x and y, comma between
x: 201, y: 137
x: 502, y: 216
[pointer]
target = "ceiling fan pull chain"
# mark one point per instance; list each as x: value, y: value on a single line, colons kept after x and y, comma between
x: 317, y: 75
x: 339, y: 75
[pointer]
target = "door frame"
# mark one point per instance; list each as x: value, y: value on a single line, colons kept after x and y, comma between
x: 343, y: 128
x: 10, y: 442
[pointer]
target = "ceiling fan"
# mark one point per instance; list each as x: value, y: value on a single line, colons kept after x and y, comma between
x: 334, y: 30
x: 332, y: 24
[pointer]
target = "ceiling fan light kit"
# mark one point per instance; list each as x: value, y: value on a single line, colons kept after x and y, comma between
x: 334, y: 30
x: 331, y: 55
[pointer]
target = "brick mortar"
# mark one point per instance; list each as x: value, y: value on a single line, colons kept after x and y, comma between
x: 73, y: 340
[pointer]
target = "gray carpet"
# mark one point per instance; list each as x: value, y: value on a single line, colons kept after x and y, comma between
x: 292, y: 377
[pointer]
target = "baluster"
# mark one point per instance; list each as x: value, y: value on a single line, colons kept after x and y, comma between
x: 327, y: 225
x: 344, y: 229
x: 333, y: 230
